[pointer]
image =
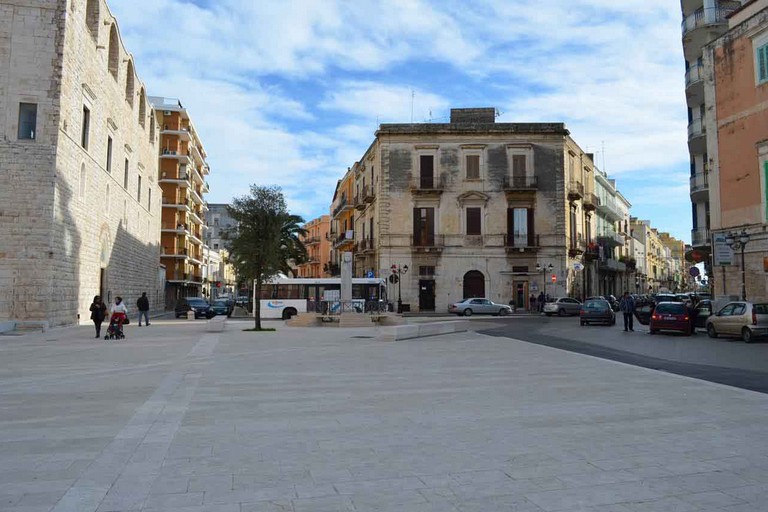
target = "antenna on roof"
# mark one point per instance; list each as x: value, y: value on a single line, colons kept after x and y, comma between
x: 498, y: 112
x: 413, y: 94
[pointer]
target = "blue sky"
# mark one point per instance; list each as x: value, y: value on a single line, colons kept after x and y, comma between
x: 289, y: 92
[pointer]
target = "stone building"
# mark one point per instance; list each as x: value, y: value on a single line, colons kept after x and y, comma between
x: 318, y: 248
x: 342, y: 228
x: 183, y: 170
x: 218, y: 220
x: 80, y: 203
x: 736, y: 85
x: 615, y: 265
x: 474, y: 208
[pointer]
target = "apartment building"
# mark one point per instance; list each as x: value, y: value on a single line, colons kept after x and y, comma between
x: 677, y: 270
x: 318, y: 245
x: 342, y: 227
x: 615, y: 263
x: 80, y: 212
x: 703, y: 22
x: 218, y: 221
x: 736, y: 85
x: 473, y: 208
x: 182, y: 176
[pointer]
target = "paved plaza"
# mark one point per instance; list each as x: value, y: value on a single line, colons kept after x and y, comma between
x: 175, y: 419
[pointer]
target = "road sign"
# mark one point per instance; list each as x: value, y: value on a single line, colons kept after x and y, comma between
x: 578, y: 266
x: 393, y: 279
x: 554, y: 278
x: 369, y: 274
x: 723, y: 255
x: 694, y: 271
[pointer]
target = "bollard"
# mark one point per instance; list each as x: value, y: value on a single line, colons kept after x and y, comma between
x: 190, y: 315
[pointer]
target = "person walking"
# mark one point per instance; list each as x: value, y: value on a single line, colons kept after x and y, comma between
x: 540, y: 301
x: 627, y: 306
x: 143, y: 306
x: 98, y: 313
x: 532, y: 302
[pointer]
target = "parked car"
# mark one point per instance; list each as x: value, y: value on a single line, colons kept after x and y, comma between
x: 222, y: 307
x: 740, y: 318
x: 469, y: 307
x: 597, y: 311
x: 199, y: 305
x: 671, y: 316
x: 701, y: 313
x: 562, y: 306
x: 666, y: 297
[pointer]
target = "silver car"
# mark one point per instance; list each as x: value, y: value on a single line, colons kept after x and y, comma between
x: 562, y: 306
x: 469, y: 307
x: 739, y: 318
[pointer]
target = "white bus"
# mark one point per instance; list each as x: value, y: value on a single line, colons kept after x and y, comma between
x: 286, y: 297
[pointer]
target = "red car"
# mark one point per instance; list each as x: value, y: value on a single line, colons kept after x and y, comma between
x: 671, y: 316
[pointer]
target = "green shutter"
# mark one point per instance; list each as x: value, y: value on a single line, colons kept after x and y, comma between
x: 762, y: 62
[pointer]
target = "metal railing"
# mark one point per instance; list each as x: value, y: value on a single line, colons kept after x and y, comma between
x: 426, y: 183
x: 427, y: 241
x: 699, y: 182
x: 522, y: 241
x: 700, y: 237
x: 520, y: 182
x: 696, y: 128
x: 710, y: 16
x: 694, y: 74
x: 575, y: 190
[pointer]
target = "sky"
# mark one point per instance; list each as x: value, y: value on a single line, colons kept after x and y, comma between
x: 290, y: 92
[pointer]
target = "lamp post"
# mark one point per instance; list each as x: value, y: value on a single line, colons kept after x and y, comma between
x: 399, y: 271
x: 544, y: 271
x: 737, y: 241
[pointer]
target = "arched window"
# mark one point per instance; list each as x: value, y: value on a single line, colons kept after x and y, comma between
x: 114, y: 51
x: 82, y: 184
x: 130, y: 86
x: 142, y: 107
x: 474, y: 284
x: 92, y: 18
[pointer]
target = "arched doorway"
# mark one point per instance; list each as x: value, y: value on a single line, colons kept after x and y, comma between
x: 474, y: 284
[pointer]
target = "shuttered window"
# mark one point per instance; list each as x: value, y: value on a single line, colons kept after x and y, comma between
x: 518, y: 165
x: 473, y: 221
x: 424, y: 227
x: 520, y: 227
x: 762, y: 64
x: 473, y: 167
x: 427, y: 171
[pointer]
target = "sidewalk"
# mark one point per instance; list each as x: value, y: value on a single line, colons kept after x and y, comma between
x: 175, y: 419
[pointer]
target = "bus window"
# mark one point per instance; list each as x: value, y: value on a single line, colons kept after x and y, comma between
x: 358, y: 291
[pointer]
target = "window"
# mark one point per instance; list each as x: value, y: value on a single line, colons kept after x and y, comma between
x: 423, y: 226
x: 125, y: 175
x: 86, y: 127
x: 426, y: 270
x: 113, y: 54
x: 520, y: 227
x: 129, y: 84
x: 138, y: 191
x: 92, y: 17
x: 518, y: 165
x: 149, y: 198
x: 82, y: 184
x: 473, y: 167
x: 761, y: 67
x: 474, y: 216
x: 216, y: 246
x: 27, y: 121
x: 427, y: 171
x: 574, y: 227
x: 109, y: 153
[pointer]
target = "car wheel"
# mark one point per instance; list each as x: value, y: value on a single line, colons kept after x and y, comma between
x: 503, y: 312
x: 467, y: 312
x: 711, y: 332
x: 289, y: 313
x: 746, y: 335
x: 561, y: 312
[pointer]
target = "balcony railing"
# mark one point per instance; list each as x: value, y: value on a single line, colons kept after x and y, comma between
x: 696, y: 128
x: 521, y: 241
x: 358, y: 202
x: 613, y: 265
x: 710, y: 16
x: 312, y: 240
x: 610, y: 209
x: 700, y: 237
x: 365, y: 245
x: 342, y: 206
x: 610, y: 238
x: 699, y: 182
x: 344, y: 237
x: 428, y: 242
x: 591, y: 201
x: 694, y: 74
x: 170, y: 251
x: 575, y: 190
x: 426, y: 185
x: 577, y: 246
x: 368, y: 194
x: 520, y: 183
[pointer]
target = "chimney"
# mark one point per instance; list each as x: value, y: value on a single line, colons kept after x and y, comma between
x: 473, y: 115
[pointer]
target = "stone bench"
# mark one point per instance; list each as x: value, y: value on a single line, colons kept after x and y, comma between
x: 216, y: 324
x: 411, y: 331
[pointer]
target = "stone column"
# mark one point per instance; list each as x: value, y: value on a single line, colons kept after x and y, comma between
x: 346, y: 277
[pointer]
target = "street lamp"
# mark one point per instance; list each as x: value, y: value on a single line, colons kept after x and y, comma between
x: 544, y: 271
x: 399, y: 271
x: 737, y: 241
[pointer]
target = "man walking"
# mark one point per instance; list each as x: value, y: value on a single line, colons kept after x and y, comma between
x: 143, y: 305
x: 627, y: 306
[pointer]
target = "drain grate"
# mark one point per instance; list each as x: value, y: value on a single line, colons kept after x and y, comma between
x: 364, y: 337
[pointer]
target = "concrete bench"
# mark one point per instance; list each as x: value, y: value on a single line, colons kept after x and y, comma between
x: 216, y: 324
x: 407, y: 332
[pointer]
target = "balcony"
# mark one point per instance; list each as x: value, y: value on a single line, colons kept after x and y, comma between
x: 696, y: 128
x: 312, y: 240
x: 366, y: 246
x: 610, y: 238
x: 179, y: 228
x: 430, y: 244
x: 700, y: 237
x: 577, y: 246
x: 707, y: 17
x: 575, y: 191
x: 369, y: 194
x: 694, y: 74
x: 344, y: 238
x: 612, y: 266
x: 426, y: 186
x: 520, y: 184
x: 177, y: 203
x: 610, y: 210
x: 358, y: 202
x: 343, y: 206
x: 592, y: 251
x: 180, y: 178
x: 694, y: 85
x: 167, y: 153
x: 178, y: 131
x: 521, y: 242
x: 591, y: 202
x: 172, y: 252
x: 700, y: 187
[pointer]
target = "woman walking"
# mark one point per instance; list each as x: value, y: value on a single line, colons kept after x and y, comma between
x: 98, y: 312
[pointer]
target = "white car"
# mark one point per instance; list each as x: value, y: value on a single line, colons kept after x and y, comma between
x: 562, y: 306
x: 468, y: 307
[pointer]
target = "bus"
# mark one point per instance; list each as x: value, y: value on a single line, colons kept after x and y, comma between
x: 285, y: 297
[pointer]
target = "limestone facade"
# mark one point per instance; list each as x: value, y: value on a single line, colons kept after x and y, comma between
x: 80, y: 204
x: 318, y: 244
x: 474, y: 208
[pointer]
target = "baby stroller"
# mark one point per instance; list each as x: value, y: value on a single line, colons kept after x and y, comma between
x: 115, y: 329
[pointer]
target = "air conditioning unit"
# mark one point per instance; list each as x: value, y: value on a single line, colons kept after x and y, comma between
x: 167, y: 113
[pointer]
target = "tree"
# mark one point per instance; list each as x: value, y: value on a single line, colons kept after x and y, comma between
x: 265, y: 238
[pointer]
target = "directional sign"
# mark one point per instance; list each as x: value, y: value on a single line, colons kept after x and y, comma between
x: 694, y: 271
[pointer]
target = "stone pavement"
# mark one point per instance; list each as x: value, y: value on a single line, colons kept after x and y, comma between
x: 178, y: 420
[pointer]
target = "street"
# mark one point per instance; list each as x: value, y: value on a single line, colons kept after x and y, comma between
x: 175, y: 419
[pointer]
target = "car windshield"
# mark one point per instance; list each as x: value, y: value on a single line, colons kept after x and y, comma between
x: 197, y: 302
x: 220, y: 303
x: 760, y: 309
x: 670, y: 308
x: 596, y: 304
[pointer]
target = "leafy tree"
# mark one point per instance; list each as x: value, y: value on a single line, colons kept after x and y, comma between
x: 265, y: 239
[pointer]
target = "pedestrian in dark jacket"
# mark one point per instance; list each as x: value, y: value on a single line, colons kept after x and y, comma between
x: 540, y: 302
x: 143, y: 306
x: 627, y: 306
x: 98, y: 313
